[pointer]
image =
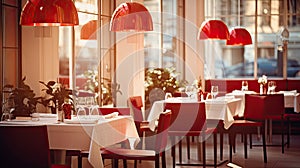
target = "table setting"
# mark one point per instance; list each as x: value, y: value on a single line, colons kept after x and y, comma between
x: 86, y: 132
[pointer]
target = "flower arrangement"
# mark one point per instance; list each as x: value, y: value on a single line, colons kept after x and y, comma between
x: 197, y: 83
x: 263, y: 80
x: 57, y: 95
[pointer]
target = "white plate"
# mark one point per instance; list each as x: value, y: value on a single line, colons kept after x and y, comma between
x: 47, y: 115
x: 18, y: 120
x: 83, y: 121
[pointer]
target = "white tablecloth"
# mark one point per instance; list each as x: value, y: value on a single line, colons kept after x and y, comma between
x: 291, y: 98
x: 218, y: 109
x: 87, y: 136
x: 224, y: 109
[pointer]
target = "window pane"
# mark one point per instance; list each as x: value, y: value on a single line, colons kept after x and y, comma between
x: 10, y: 27
x: 10, y: 66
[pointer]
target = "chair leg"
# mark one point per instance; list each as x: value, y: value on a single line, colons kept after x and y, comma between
x: 188, y: 147
x: 163, y: 160
x: 245, y: 145
x: 234, y: 143
x: 203, y: 151
x: 79, y: 161
x: 282, y: 135
x: 135, y: 163
x: 215, y: 150
x: 180, y: 151
x: 250, y: 140
x: 288, y: 132
x: 221, y: 146
x: 264, y: 146
x: 230, y: 146
x: 156, y: 160
x: 125, y: 163
x: 173, y: 150
x: 115, y: 163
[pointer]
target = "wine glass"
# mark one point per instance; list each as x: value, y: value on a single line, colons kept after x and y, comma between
x: 271, y: 87
x: 81, y: 113
x: 244, y: 86
x: 189, y: 90
x: 8, y: 108
x: 214, y: 91
x: 168, y: 95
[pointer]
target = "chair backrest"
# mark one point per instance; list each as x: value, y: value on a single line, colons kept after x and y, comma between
x: 162, y: 131
x: 137, y: 104
x: 24, y: 146
x: 156, y: 94
x: 179, y: 94
x: 260, y: 107
x: 187, y: 117
x: 109, y: 110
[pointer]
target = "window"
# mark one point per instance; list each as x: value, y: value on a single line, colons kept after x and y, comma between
x: 91, y: 61
x: 237, y: 62
x: 163, y: 45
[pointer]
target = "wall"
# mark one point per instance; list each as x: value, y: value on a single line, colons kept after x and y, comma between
x: 40, y: 60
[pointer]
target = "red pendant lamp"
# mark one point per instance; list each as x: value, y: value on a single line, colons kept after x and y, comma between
x: 131, y: 16
x: 238, y: 35
x: 49, y: 13
x: 88, y: 30
x: 213, y: 29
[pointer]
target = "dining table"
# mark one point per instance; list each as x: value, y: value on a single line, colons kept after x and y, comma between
x: 291, y: 98
x: 222, y: 108
x: 85, y: 133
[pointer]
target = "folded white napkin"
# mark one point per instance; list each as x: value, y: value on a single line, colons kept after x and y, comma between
x: 80, y: 121
x: 111, y: 115
x: 47, y: 115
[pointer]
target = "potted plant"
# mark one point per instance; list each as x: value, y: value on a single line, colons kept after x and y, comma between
x: 56, y: 96
x: 164, y: 79
x: 24, y: 100
x: 107, y: 87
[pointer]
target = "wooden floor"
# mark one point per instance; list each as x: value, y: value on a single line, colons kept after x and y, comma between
x: 290, y: 159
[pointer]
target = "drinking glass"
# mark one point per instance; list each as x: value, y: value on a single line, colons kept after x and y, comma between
x: 81, y: 113
x: 189, y: 90
x: 271, y: 87
x: 8, y: 107
x: 168, y: 95
x: 214, y: 91
x: 244, y: 86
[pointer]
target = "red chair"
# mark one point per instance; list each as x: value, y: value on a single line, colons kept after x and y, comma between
x: 103, y: 111
x: 25, y: 146
x: 137, y: 105
x: 189, y: 119
x: 109, y: 110
x: 159, y: 151
x: 258, y: 109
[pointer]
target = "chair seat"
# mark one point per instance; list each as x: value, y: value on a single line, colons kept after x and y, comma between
x: 127, y: 153
x: 292, y: 117
x: 246, y: 123
x: 185, y: 133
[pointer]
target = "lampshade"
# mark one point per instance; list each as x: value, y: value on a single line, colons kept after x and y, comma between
x: 88, y: 30
x: 131, y: 16
x: 239, y: 36
x: 49, y: 13
x: 213, y: 29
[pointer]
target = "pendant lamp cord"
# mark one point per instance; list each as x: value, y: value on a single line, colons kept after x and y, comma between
x: 239, y: 10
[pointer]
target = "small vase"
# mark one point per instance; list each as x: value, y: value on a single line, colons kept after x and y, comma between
x: 60, y: 114
x: 261, y: 89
